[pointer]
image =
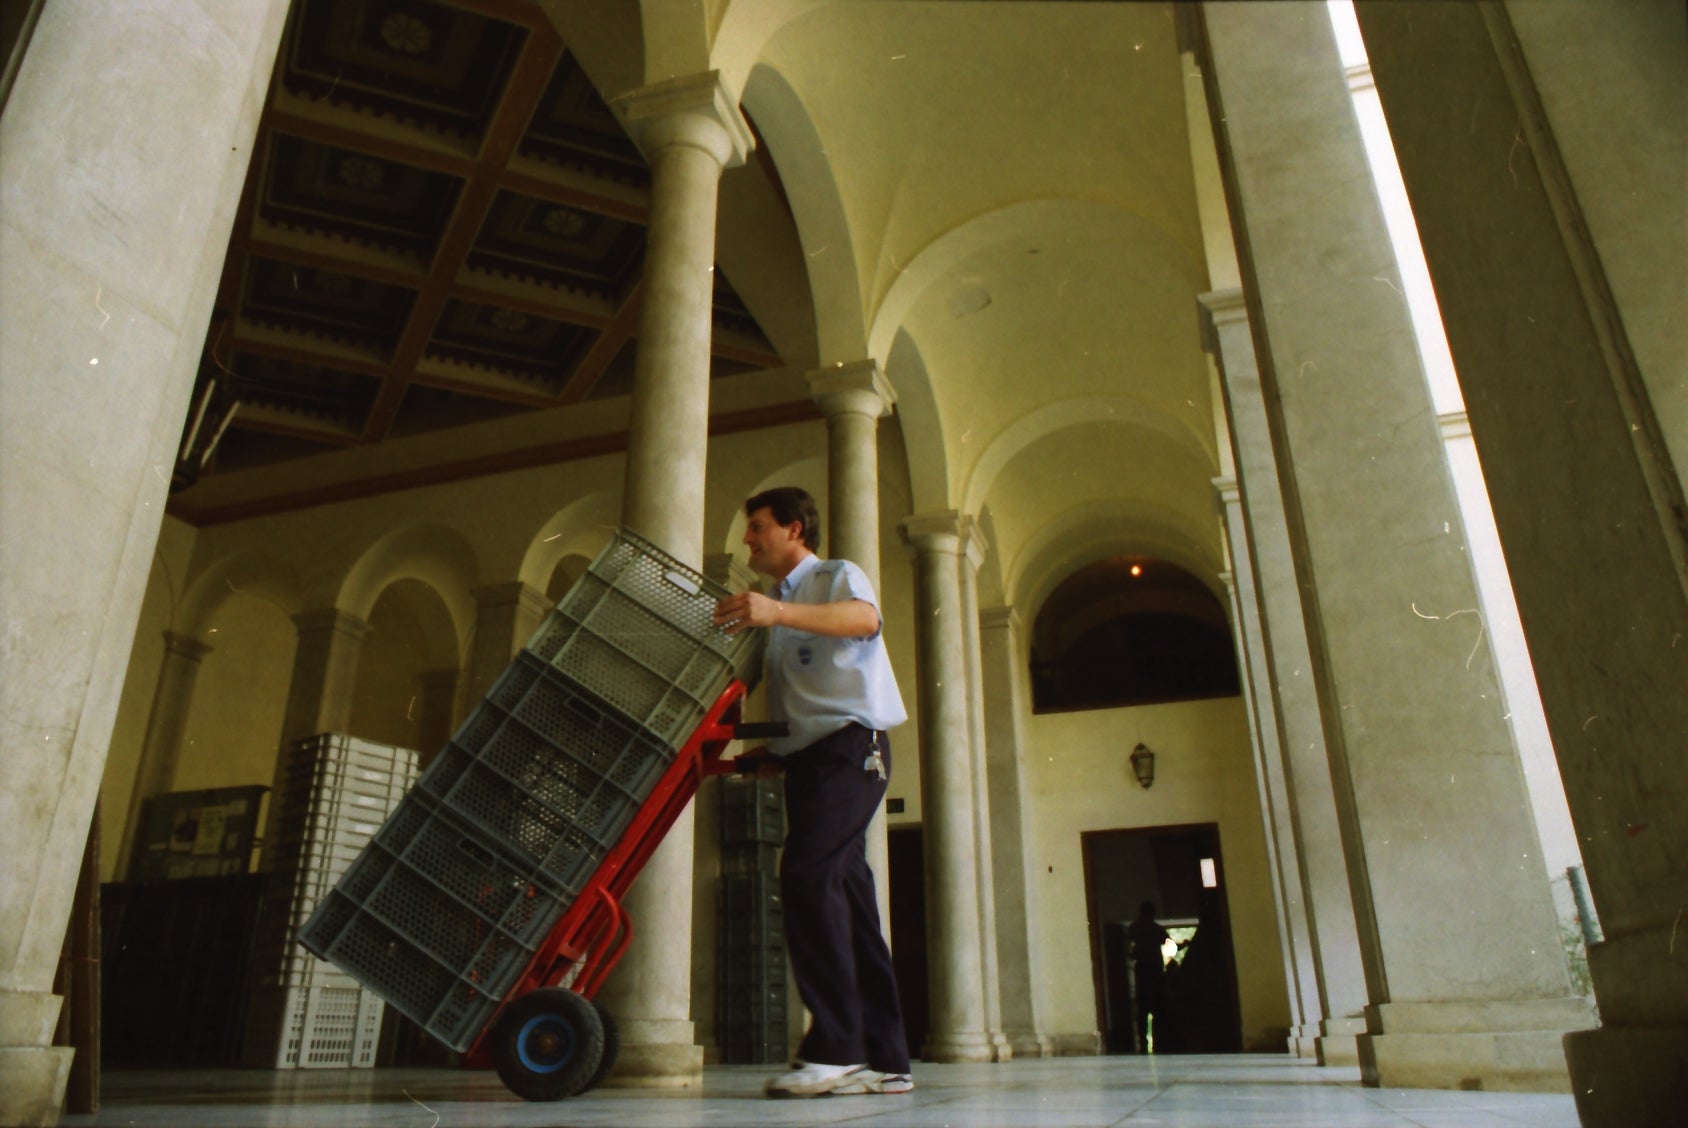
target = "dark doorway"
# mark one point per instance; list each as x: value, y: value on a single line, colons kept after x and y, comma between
x: 1179, y: 868
x: 908, y: 930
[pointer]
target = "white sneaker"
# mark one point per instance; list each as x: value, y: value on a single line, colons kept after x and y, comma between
x: 812, y: 1079
x: 872, y: 1081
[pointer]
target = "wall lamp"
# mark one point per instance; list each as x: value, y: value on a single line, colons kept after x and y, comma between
x: 1143, y: 765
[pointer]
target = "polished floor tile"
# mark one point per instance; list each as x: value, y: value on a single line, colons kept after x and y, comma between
x: 1240, y: 1091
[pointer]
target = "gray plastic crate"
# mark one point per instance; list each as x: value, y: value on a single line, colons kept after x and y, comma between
x: 638, y: 630
x: 436, y: 919
x: 752, y: 811
x: 548, y: 770
x: 444, y: 910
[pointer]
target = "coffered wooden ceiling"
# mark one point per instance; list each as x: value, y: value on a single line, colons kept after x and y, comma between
x: 442, y: 224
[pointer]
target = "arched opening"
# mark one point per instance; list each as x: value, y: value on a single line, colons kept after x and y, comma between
x: 1130, y: 630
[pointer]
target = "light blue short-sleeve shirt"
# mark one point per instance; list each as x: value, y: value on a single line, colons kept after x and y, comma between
x: 820, y: 684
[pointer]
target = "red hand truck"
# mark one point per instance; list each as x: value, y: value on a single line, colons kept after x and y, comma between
x: 548, y: 1041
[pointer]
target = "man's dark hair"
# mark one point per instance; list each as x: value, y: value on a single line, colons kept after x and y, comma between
x: 788, y: 504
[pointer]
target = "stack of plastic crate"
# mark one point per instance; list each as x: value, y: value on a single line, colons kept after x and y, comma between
x: 336, y: 792
x: 751, y: 1022
x: 463, y: 883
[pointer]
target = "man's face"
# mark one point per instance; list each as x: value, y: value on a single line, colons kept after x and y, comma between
x: 775, y: 549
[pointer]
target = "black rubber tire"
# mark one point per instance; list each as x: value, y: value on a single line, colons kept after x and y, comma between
x: 548, y: 1044
x: 612, y: 1047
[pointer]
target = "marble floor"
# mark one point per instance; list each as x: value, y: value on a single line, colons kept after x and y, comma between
x: 1237, y: 1091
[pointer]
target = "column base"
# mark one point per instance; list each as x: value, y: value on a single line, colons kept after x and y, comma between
x: 1513, y: 1047
x: 957, y: 1048
x: 1030, y: 1044
x: 1629, y: 1077
x: 1338, y: 1041
x: 653, y: 1057
x: 1075, y: 1045
x: 1002, y: 1049
x: 32, y: 1084
x: 1303, y: 1041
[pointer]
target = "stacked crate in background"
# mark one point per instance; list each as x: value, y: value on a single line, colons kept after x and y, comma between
x: 336, y: 792
x: 751, y: 1023
x: 458, y: 890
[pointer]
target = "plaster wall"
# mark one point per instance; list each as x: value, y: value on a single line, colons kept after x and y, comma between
x: 1077, y: 766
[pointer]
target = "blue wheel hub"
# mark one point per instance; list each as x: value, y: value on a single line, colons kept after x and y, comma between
x: 545, y: 1043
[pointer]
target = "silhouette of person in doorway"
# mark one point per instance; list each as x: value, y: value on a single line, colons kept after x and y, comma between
x: 1148, y: 966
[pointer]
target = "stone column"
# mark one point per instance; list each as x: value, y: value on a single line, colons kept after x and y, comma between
x: 954, y: 964
x: 854, y: 397
x: 1276, y: 810
x: 506, y: 615
x: 1559, y: 273
x: 1002, y: 686
x: 974, y: 549
x: 688, y: 129
x: 319, y: 696
x: 161, y: 749
x: 1426, y: 774
x: 436, y: 706
x: 123, y: 169
x: 725, y: 569
x: 1290, y: 700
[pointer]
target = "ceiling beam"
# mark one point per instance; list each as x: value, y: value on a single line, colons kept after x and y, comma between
x: 528, y: 79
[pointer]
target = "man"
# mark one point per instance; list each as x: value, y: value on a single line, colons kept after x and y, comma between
x: 829, y: 678
x: 1148, y: 940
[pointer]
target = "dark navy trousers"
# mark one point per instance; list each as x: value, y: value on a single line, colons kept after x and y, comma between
x: 838, y: 955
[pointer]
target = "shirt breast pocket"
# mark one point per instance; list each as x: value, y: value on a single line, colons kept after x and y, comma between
x: 802, y: 651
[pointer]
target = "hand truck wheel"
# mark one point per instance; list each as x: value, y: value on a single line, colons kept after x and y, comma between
x: 612, y: 1047
x: 548, y: 1044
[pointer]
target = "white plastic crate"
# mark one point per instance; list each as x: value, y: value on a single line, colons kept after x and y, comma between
x: 321, y: 1026
x: 338, y: 790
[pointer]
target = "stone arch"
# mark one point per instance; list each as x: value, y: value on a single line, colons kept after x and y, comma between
x: 1095, y: 531
x: 241, y: 573
x: 581, y: 528
x: 1041, y: 219
x: 922, y: 426
x: 1052, y: 417
x: 434, y: 554
x: 817, y: 205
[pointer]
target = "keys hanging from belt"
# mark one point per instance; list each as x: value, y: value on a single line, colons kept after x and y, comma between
x: 874, y: 762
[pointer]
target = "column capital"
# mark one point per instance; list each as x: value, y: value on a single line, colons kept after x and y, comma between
x: 330, y: 619
x: 1230, y: 493
x: 858, y: 387
x: 516, y: 592
x: 1003, y: 618
x: 693, y: 110
x: 1220, y: 309
x: 185, y: 646
x: 935, y: 532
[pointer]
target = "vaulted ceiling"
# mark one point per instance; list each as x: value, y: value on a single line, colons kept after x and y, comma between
x: 442, y: 224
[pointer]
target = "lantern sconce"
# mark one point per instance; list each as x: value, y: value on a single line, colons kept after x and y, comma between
x: 1143, y: 765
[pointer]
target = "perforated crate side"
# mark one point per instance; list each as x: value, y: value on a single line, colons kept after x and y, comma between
x: 556, y: 774
x: 668, y: 702
x: 435, y: 919
x: 637, y: 598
